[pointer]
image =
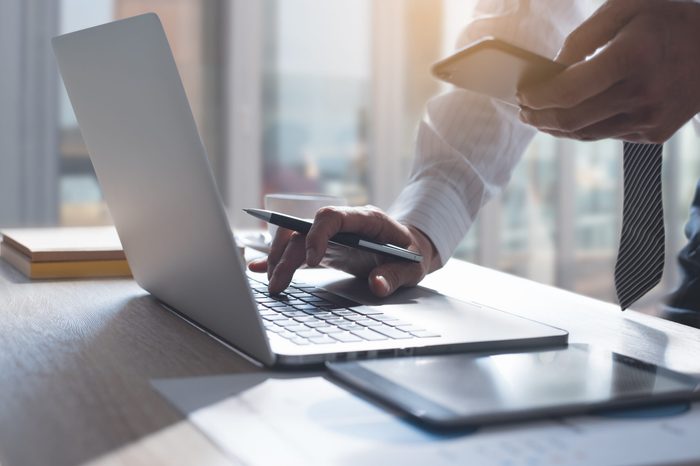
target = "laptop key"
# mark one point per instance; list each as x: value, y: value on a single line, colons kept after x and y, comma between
x: 318, y: 314
x: 275, y: 304
x: 300, y: 341
x: 284, y: 311
x: 332, y: 306
x: 306, y: 307
x: 385, y: 318
x: 336, y: 321
x: 274, y: 317
x: 346, y: 337
x: 309, y: 298
x: 331, y: 318
x: 350, y: 326
x: 392, y: 332
x: 367, y: 334
x: 355, y: 318
x: 425, y: 334
x: 296, y: 328
x: 323, y: 340
x: 408, y: 328
x: 317, y: 324
x: 306, y: 318
x: 329, y: 329
x: 308, y: 333
x: 367, y: 311
x: 369, y: 323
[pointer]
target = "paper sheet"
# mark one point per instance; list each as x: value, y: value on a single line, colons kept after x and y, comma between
x: 309, y: 420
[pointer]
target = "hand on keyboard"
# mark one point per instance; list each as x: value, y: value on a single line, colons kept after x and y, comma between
x: 291, y: 250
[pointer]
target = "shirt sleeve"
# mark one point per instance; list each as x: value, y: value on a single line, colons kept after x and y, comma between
x: 468, y: 144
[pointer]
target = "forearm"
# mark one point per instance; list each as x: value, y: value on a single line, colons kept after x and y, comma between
x: 467, y: 144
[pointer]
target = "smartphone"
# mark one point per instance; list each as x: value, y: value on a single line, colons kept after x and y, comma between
x: 485, y: 388
x: 495, y: 68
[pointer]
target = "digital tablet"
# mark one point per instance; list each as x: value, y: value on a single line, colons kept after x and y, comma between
x: 479, y: 389
x: 495, y: 68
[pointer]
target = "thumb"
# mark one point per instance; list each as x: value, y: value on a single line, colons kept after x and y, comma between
x: 387, y: 278
x: 597, y: 30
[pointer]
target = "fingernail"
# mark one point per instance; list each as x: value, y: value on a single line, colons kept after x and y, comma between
x: 386, y: 288
x: 311, y: 256
x: 272, y: 285
x: 519, y: 97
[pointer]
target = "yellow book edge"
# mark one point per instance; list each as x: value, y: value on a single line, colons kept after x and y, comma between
x: 65, y: 269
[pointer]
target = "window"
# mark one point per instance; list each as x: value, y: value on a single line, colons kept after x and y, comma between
x: 316, y: 97
x: 192, y: 29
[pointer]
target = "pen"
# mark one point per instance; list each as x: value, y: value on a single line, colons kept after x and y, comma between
x: 346, y: 239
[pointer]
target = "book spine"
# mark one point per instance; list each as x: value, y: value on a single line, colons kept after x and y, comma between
x: 66, y: 269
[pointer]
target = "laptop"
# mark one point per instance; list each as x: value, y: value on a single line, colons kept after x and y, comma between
x: 153, y: 170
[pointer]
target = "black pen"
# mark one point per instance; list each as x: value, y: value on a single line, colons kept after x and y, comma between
x: 346, y: 239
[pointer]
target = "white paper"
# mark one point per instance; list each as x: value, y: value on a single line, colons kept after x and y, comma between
x: 306, y: 421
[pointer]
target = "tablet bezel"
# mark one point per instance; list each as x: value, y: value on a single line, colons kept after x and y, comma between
x: 433, y: 414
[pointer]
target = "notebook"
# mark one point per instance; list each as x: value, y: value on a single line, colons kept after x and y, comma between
x: 65, y: 252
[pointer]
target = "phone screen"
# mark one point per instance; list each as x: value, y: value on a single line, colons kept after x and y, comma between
x: 495, y: 68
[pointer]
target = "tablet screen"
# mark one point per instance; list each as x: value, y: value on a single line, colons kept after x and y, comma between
x: 482, y: 385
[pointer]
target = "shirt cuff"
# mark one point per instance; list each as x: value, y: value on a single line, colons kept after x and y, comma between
x: 438, y: 212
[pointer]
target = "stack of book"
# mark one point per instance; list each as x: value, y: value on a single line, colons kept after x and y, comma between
x: 73, y: 252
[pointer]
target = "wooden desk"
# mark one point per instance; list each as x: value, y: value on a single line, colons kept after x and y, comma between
x: 77, y: 357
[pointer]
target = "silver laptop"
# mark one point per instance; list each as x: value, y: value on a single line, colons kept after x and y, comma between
x: 153, y: 170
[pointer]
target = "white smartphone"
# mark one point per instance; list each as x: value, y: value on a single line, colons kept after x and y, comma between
x: 495, y: 68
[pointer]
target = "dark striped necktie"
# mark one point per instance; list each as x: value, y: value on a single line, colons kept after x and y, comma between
x: 640, y: 259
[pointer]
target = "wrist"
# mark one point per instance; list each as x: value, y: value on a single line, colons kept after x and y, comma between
x: 427, y: 249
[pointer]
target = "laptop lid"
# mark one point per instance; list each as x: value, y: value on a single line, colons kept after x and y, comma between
x: 152, y: 166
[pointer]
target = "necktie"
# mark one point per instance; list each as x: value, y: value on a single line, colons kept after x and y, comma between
x: 640, y: 259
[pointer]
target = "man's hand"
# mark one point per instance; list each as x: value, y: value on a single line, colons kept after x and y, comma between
x: 641, y: 86
x: 291, y: 250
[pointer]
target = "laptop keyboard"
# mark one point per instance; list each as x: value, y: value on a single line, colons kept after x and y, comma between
x: 306, y: 315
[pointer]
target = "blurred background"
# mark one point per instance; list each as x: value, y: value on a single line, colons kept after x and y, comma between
x: 319, y: 96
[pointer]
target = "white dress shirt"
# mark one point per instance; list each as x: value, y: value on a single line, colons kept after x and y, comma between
x: 468, y: 144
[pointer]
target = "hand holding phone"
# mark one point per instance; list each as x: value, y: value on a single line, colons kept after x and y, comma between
x: 495, y: 68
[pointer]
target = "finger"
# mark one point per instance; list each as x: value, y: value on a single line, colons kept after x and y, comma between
x: 616, y: 127
x: 258, y: 265
x: 293, y: 257
x: 389, y: 277
x: 367, y: 222
x: 598, y: 108
x: 597, y: 30
x: 633, y: 137
x: 580, y: 81
x: 279, y: 244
